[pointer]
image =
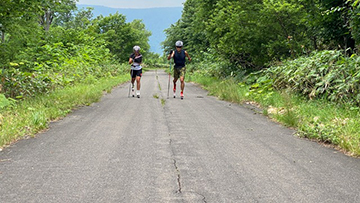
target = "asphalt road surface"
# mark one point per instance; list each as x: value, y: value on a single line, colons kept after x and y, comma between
x: 155, y: 149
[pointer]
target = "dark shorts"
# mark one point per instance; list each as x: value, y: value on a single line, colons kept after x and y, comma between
x: 135, y: 73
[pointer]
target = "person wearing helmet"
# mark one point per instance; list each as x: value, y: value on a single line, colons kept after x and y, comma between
x: 179, y: 68
x: 136, y: 70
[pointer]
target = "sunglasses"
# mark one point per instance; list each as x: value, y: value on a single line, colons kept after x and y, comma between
x: 178, y: 47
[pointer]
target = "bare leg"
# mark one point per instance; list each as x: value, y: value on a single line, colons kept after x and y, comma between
x: 138, y: 82
x: 132, y: 81
x: 175, y: 80
x: 182, y: 83
x: 132, y: 86
x: 182, y: 87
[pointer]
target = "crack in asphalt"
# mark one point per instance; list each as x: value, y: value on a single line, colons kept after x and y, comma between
x: 178, y: 175
x: 204, y: 198
x: 176, y: 168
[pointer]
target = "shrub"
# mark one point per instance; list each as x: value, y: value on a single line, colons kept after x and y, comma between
x: 326, y: 74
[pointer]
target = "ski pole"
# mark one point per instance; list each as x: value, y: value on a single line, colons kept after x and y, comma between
x: 131, y: 73
x: 169, y: 79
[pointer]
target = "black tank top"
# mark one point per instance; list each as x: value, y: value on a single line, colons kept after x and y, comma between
x: 179, y: 59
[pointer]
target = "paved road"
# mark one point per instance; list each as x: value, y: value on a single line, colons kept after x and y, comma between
x: 198, y: 149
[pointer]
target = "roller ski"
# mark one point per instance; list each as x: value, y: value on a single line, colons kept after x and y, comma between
x: 132, y: 91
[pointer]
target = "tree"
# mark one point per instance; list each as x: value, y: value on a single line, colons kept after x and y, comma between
x: 286, y: 28
x: 355, y: 21
x: 139, y: 35
x: 122, y: 36
x: 336, y: 22
x: 18, y: 27
x: 51, y: 9
x: 189, y: 29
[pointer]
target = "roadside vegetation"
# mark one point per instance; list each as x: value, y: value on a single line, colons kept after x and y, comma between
x: 319, y: 119
x: 26, y: 118
x: 55, y: 58
x: 297, y: 60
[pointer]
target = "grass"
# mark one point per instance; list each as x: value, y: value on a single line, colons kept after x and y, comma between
x: 163, y: 101
x: 28, y: 117
x: 156, y: 96
x: 320, y: 120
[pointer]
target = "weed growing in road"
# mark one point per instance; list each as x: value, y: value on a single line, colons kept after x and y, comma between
x: 163, y: 101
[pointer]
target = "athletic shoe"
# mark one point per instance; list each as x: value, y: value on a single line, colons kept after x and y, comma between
x: 138, y: 95
x: 182, y: 95
x: 133, y: 92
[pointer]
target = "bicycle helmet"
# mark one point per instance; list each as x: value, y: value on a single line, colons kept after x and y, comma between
x: 136, y: 48
x: 179, y: 44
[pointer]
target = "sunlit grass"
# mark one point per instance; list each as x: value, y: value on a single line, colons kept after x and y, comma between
x: 30, y: 116
x: 322, y: 120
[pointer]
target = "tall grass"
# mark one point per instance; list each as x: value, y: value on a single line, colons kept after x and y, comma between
x: 224, y: 89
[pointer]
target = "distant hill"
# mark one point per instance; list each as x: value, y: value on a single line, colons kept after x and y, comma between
x: 156, y: 20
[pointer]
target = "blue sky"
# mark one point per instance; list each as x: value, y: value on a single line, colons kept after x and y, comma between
x: 134, y: 3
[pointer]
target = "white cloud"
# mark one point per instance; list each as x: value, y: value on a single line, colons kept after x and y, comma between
x: 134, y: 3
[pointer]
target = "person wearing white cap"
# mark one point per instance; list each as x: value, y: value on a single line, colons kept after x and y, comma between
x: 136, y: 70
x: 179, y: 68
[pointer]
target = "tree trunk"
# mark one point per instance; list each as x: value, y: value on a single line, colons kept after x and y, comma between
x: 2, y: 36
x: 314, y: 43
x: 47, y: 20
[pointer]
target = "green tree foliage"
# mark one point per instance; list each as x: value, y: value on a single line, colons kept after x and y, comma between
x: 337, y: 23
x: 139, y: 36
x: 17, y: 27
x: 122, y: 36
x: 188, y: 30
x: 235, y: 34
x: 250, y: 34
x: 55, y: 9
x: 47, y: 44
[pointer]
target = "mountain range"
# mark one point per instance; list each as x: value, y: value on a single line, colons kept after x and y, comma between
x: 156, y: 20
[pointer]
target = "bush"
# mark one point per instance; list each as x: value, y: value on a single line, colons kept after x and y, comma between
x: 326, y: 74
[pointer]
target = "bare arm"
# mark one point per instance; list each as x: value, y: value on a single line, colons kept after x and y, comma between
x: 188, y: 56
x: 171, y: 55
x: 130, y: 60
